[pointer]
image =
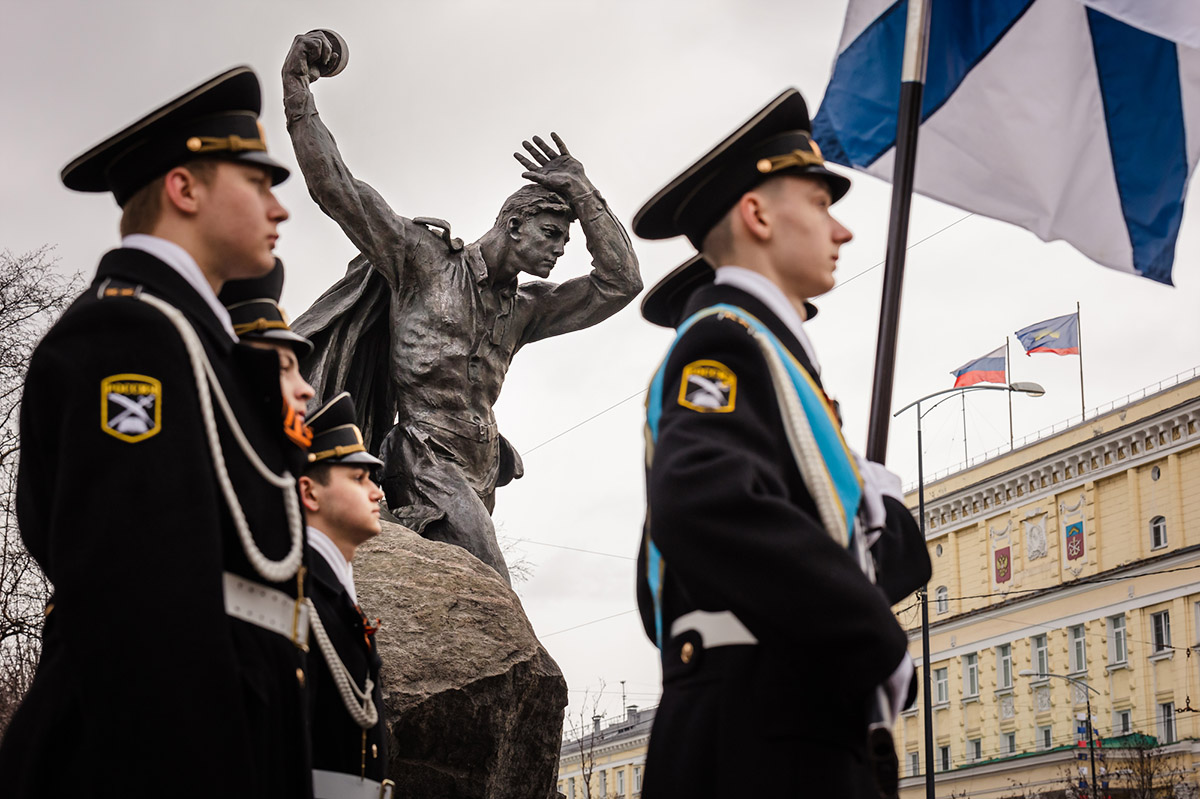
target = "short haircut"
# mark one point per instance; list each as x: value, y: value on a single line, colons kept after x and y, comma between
x: 529, y: 201
x: 718, y: 242
x: 143, y: 210
x: 319, y: 472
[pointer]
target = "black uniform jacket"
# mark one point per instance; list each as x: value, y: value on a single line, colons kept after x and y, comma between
x: 146, y: 687
x: 337, y: 740
x: 738, y: 531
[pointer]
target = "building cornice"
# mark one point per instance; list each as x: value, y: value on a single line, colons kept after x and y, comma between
x: 1111, y: 452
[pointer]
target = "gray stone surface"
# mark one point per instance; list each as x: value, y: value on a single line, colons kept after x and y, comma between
x: 473, y: 701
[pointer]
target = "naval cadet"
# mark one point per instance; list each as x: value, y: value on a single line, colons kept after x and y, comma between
x: 153, y: 489
x: 260, y: 322
x: 341, y: 504
x: 754, y: 584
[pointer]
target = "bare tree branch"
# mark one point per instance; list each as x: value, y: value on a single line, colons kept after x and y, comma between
x: 32, y: 295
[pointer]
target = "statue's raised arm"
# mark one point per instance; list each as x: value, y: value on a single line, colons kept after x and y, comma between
x: 614, y: 279
x: 367, y: 219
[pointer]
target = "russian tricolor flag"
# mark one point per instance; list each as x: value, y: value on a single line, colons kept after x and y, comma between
x: 988, y: 369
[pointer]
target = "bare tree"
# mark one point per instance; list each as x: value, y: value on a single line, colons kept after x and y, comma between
x: 589, y: 736
x: 1140, y: 768
x: 32, y: 295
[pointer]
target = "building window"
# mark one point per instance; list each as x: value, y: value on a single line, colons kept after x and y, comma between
x: 1166, y: 723
x: 1008, y: 743
x: 1117, y: 652
x: 942, y: 597
x: 1004, y: 666
x: 970, y: 675
x: 603, y: 783
x: 914, y: 764
x: 941, y: 686
x: 570, y: 788
x: 637, y: 779
x: 1078, y: 649
x: 1158, y: 532
x: 1043, y: 737
x: 1122, y: 722
x: 944, y: 758
x: 1160, y: 630
x: 620, y: 782
x: 975, y: 749
x: 1041, y: 655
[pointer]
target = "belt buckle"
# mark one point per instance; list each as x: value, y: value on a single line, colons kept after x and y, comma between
x: 385, y: 789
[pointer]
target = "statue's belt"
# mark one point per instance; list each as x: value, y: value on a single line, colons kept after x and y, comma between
x: 472, y: 430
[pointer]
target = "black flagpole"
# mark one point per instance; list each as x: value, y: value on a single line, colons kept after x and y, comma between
x: 880, y: 745
x: 912, y: 89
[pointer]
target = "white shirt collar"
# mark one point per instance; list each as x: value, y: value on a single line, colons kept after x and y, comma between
x: 344, y: 570
x: 182, y: 262
x: 761, y: 287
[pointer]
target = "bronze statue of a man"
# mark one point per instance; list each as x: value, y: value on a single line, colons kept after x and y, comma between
x: 444, y: 318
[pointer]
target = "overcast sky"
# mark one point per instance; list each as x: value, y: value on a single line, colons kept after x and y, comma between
x: 435, y: 99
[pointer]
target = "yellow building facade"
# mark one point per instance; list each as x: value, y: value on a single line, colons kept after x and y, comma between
x: 606, y: 762
x: 1075, y: 555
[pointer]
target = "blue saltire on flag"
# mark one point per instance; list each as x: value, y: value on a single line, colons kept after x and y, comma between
x: 988, y: 369
x: 1059, y: 335
x: 1076, y: 120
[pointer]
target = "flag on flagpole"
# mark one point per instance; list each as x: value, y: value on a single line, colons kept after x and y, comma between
x: 988, y: 369
x: 1059, y: 335
x: 1075, y: 120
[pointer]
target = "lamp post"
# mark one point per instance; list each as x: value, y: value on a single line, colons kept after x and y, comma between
x: 1088, y: 699
x: 1033, y: 390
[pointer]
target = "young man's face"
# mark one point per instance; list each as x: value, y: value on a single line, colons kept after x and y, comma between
x: 805, y: 236
x: 239, y: 219
x: 540, y: 241
x: 347, y: 508
x: 295, y: 389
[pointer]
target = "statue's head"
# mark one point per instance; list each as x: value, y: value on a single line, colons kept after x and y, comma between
x: 536, y: 225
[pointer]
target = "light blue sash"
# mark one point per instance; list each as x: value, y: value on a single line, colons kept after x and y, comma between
x: 839, y: 464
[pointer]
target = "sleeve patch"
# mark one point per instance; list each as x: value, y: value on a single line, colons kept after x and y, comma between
x: 708, y: 387
x: 130, y: 407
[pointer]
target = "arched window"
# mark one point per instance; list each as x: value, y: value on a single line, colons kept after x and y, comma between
x: 1158, y: 532
x: 942, y: 597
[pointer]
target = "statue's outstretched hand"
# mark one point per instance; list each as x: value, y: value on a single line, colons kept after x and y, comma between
x: 558, y: 171
x: 311, y: 54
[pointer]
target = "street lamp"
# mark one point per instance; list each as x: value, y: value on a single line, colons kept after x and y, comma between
x: 1088, y: 699
x: 1033, y: 390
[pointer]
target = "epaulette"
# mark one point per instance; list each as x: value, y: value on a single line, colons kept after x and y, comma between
x: 115, y: 287
x: 442, y: 228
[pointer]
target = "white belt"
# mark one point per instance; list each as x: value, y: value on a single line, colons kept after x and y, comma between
x: 336, y: 785
x: 716, y: 629
x: 268, y: 608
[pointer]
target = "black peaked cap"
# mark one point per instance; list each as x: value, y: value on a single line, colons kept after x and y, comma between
x: 667, y: 299
x: 218, y: 118
x: 254, y: 310
x: 775, y: 141
x: 336, y: 437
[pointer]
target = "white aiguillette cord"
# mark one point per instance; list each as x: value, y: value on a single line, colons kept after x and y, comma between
x: 363, y: 710
x: 812, y: 469
x: 274, y: 571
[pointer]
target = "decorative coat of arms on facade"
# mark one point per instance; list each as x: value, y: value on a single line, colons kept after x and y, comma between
x: 1074, y: 535
x: 1002, y: 565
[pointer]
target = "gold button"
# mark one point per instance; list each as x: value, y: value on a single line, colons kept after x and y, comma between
x: 685, y: 654
x: 194, y: 144
x: 764, y: 165
x: 300, y: 676
x: 374, y: 751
